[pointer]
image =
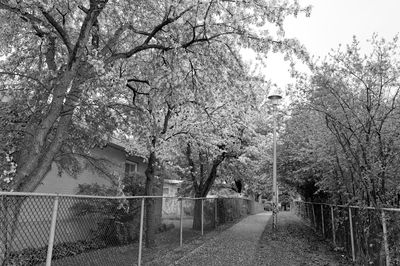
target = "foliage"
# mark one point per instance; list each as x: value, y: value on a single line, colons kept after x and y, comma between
x: 34, y: 256
x: 304, y: 157
x: 76, y: 73
x: 9, y: 169
x: 119, y: 221
x: 340, y: 143
x: 76, y: 63
x: 345, y: 126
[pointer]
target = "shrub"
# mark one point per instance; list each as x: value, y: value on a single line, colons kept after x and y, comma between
x: 268, y: 207
x: 120, y: 218
x: 34, y: 256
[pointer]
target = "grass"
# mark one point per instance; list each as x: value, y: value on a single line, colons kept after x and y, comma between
x: 166, y: 251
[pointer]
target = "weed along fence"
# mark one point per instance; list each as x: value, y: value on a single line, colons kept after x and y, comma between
x: 369, y: 236
x: 50, y: 229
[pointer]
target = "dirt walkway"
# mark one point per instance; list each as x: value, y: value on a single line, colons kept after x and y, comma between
x: 235, y: 246
x: 294, y: 243
x: 252, y: 242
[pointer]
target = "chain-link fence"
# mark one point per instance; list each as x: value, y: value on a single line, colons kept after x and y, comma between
x: 44, y: 229
x: 369, y: 236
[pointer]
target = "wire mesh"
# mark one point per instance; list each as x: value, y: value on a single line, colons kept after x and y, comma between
x: 25, y: 223
x: 393, y: 226
x: 97, y: 231
x: 104, y: 230
x: 209, y: 214
x: 367, y: 230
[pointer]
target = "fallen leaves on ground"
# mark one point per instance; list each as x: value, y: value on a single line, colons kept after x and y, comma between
x: 294, y: 244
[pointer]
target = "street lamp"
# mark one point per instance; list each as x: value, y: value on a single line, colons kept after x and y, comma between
x: 275, y: 100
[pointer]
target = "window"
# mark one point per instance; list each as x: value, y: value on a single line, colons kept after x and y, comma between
x: 165, y: 191
x: 130, y: 168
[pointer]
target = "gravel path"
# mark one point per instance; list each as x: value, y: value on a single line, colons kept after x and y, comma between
x: 235, y: 246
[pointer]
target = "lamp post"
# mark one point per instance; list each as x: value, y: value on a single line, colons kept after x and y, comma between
x: 275, y: 100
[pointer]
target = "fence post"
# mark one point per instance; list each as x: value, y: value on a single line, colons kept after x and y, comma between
x: 202, y: 216
x: 298, y: 209
x: 215, y: 212
x: 141, y: 232
x: 52, y: 231
x: 302, y: 210
x: 333, y: 226
x: 385, y: 239
x: 322, y: 220
x: 181, y: 223
x: 313, y: 213
x: 353, y: 252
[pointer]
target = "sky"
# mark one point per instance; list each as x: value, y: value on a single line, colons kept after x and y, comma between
x: 334, y: 22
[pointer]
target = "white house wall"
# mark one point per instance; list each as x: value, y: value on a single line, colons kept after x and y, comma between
x: 66, y: 184
x: 35, y: 215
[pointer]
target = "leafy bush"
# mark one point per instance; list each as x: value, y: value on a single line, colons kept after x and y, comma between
x: 120, y: 218
x: 225, y: 209
x: 268, y: 207
x: 34, y: 256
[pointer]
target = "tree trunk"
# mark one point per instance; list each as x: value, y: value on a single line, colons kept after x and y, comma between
x: 9, y: 211
x: 39, y: 164
x: 203, y: 189
x: 30, y: 158
x: 150, y: 203
x: 197, y: 215
x: 33, y: 172
x: 34, y: 162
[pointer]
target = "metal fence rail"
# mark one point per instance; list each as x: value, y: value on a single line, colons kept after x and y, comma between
x: 369, y: 236
x: 52, y: 229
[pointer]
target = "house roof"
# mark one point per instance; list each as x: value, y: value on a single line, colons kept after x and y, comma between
x: 172, y: 181
x: 120, y: 145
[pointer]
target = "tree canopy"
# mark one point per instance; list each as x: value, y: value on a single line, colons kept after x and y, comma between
x: 165, y: 76
x: 71, y: 63
x: 347, y: 126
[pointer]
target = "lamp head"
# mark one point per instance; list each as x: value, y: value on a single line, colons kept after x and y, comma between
x: 274, y: 98
x: 274, y: 94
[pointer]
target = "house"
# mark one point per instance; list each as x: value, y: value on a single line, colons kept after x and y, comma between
x: 171, y: 187
x: 113, y: 156
x: 171, y: 206
x: 37, y: 211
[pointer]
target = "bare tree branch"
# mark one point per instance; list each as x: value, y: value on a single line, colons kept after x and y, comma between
x: 60, y: 30
x: 146, y: 43
x: 94, y: 11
